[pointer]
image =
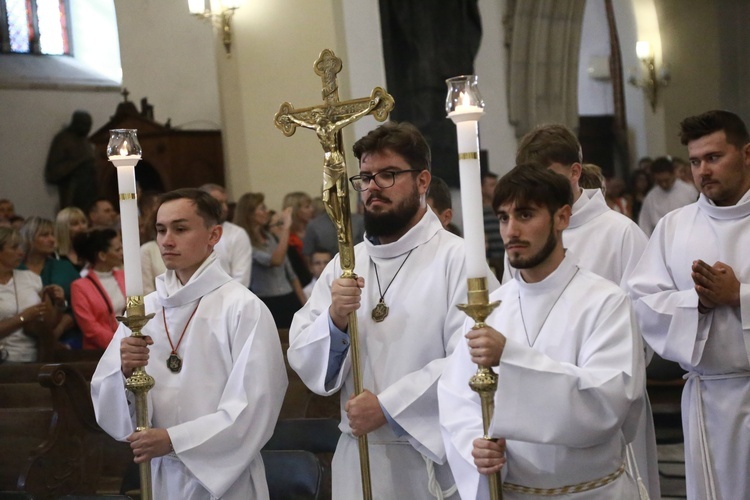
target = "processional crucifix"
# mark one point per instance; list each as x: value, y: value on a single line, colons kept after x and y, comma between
x: 327, y: 120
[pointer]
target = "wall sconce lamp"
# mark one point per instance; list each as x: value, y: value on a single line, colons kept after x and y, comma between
x: 652, y: 78
x: 220, y: 13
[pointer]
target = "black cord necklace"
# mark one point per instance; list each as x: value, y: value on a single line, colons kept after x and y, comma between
x: 380, y: 312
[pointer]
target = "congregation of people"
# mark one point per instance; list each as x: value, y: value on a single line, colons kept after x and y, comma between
x: 594, y: 276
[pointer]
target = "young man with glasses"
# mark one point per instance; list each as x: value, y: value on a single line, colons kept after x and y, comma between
x: 411, y: 276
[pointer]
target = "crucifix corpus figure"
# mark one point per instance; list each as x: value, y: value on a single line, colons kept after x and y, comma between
x: 327, y: 120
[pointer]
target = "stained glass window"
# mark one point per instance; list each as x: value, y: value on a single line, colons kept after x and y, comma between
x: 35, y: 26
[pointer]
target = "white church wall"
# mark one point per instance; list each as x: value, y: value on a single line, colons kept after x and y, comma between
x: 168, y: 56
x: 595, y: 95
x: 276, y: 44
x: 496, y: 134
x: 637, y: 21
x: 691, y: 49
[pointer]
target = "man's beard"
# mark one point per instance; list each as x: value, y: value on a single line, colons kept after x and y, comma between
x: 537, y: 258
x: 394, y: 220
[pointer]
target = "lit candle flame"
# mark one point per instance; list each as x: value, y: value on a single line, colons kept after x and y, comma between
x: 465, y: 99
x: 124, y: 149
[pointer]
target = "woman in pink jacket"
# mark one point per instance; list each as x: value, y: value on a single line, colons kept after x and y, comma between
x: 100, y: 295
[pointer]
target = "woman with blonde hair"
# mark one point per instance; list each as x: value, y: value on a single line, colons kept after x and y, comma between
x: 302, y: 214
x: 38, y: 244
x: 70, y: 221
x: 272, y: 279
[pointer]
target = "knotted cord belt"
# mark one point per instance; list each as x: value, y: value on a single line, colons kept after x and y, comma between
x: 565, y: 490
x: 709, y: 483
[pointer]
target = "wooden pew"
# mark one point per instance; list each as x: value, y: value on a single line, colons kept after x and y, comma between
x: 25, y: 416
x: 51, y: 443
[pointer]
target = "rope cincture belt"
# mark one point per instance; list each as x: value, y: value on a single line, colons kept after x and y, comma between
x: 565, y: 490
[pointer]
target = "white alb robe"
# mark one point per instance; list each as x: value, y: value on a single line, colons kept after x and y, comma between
x: 659, y: 203
x: 401, y: 357
x: 569, y: 390
x: 222, y: 407
x: 714, y: 348
x: 610, y: 245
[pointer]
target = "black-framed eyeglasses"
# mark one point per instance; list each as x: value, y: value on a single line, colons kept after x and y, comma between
x: 383, y: 179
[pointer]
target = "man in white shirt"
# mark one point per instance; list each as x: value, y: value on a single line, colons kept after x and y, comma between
x: 669, y: 193
x: 214, y: 352
x: 693, y: 303
x: 569, y: 362
x: 234, y: 249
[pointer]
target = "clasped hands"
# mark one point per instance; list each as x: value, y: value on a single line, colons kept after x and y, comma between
x: 715, y: 285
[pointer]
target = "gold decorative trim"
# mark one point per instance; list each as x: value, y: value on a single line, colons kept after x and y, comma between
x: 127, y: 196
x: 468, y: 156
x: 565, y: 490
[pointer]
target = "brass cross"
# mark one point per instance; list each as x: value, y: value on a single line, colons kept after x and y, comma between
x: 327, y: 120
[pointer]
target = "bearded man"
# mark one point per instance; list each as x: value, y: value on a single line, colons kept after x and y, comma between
x: 566, y: 347
x: 415, y: 275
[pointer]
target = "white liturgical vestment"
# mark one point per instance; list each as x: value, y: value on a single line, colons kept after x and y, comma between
x: 221, y: 408
x: 610, y: 245
x: 570, y: 387
x: 714, y: 347
x: 402, y: 357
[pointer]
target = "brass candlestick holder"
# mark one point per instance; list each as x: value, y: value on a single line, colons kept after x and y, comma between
x: 139, y: 383
x: 484, y: 381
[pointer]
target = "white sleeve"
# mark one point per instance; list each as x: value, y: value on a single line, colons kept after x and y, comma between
x: 668, y: 317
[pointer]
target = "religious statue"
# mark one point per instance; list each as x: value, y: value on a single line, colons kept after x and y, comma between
x: 70, y: 163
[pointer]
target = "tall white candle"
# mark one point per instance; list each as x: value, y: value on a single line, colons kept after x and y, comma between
x: 471, y: 196
x: 131, y: 242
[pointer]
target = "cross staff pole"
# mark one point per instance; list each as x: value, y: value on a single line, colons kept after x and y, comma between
x: 327, y: 120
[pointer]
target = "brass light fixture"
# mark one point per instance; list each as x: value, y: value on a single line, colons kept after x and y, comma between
x: 652, y: 77
x: 220, y: 13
